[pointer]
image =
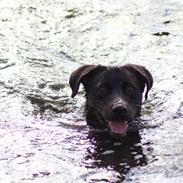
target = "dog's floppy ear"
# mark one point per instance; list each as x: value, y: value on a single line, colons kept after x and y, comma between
x: 143, y: 74
x: 77, y: 76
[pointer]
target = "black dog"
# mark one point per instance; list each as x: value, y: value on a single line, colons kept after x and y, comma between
x: 114, y: 94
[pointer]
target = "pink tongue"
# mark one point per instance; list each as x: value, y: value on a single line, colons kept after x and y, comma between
x: 118, y: 127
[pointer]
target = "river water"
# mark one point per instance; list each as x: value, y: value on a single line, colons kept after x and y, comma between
x: 43, y: 133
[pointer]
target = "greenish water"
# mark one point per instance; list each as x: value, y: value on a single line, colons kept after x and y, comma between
x: 43, y: 133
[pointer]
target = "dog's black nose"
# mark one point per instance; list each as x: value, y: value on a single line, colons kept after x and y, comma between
x: 119, y: 110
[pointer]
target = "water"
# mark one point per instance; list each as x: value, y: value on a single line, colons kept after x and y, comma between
x: 43, y: 133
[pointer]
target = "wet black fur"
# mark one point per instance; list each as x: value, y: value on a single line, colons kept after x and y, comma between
x: 112, y: 93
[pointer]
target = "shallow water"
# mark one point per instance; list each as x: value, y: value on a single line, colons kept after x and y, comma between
x: 43, y: 133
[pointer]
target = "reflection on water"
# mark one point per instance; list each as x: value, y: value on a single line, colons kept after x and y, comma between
x: 114, y: 155
x: 43, y: 134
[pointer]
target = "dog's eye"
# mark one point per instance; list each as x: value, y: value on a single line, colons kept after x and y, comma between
x: 130, y: 90
x: 102, y: 92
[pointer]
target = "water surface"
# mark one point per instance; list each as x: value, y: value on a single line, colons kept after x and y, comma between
x: 43, y: 133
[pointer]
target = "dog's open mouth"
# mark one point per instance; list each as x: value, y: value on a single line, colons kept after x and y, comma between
x: 118, y: 127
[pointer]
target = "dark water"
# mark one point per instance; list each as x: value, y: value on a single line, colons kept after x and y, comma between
x: 43, y: 134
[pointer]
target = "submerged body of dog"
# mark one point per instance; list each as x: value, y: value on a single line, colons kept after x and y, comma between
x: 113, y: 94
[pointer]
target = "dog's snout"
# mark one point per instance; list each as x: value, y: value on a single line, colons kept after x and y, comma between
x: 119, y: 110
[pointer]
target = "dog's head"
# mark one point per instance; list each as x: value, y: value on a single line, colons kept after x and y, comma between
x: 114, y: 94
